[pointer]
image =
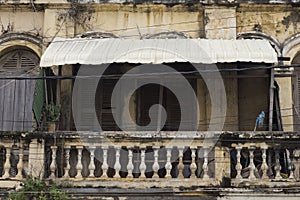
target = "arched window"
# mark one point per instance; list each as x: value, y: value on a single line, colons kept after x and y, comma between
x: 16, y: 95
x: 18, y: 62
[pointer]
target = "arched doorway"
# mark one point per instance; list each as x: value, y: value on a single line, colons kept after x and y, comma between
x: 16, y: 94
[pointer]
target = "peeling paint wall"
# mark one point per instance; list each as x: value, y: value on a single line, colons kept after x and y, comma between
x: 279, y: 21
x: 220, y: 22
x: 133, y: 21
x: 21, y: 20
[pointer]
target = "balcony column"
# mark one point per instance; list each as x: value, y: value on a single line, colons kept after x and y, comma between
x: 239, y: 166
x: 291, y: 163
x: 92, y: 164
x: 277, y: 165
x: 168, y: 163
x: 53, y: 163
x: 7, y: 161
x: 67, y: 168
x: 20, y: 163
x: 143, y: 164
x: 36, y: 158
x: 252, y: 165
x: 117, y: 165
x: 155, y: 166
x: 180, y: 164
x: 79, y: 164
x: 130, y: 166
x: 264, y: 166
x: 193, y: 166
x: 104, y: 164
x: 205, y: 163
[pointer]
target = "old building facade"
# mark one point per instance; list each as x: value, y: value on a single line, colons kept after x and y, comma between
x: 267, y: 158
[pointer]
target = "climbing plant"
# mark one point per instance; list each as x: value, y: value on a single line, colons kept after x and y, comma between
x: 37, y: 189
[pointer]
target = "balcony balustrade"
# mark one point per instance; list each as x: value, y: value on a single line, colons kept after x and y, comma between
x: 145, y: 159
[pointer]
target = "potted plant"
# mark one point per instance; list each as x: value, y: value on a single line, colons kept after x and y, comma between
x: 52, y: 115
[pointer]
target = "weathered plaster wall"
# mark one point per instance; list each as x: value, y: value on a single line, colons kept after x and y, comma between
x: 132, y: 21
x: 285, y: 96
x: 279, y: 21
x: 57, y: 24
x: 21, y: 20
x: 220, y: 22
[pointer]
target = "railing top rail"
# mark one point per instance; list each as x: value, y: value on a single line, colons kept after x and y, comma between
x: 151, y: 134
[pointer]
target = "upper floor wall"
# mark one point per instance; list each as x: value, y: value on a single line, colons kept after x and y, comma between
x: 202, y: 19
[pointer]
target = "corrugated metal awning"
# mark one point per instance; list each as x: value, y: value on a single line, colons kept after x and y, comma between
x: 156, y: 51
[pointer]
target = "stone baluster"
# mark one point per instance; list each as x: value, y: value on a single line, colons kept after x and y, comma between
x: 239, y: 166
x: 53, y: 163
x: 79, y: 164
x: 180, y: 164
x: 104, y: 164
x: 291, y: 163
x: 193, y: 166
x: 68, y: 167
x: 143, y: 164
x: 117, y: 165
x: 277, y: 165
x: 251, y: 164
x: 92, y: 163
x: 130, y: 166
x: 264, y: 166
x: 155, y: 166
x: 168, y: 163
x: 205, y: 163
x: 20, y: 163
x: 7, y: 162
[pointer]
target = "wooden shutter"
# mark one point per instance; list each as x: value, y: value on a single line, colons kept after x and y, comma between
x: 18, y: 62
x: 106, y: 111
x: 16, y: 96
x: 174, y: 111
x: 39, y: 98
x: 86, y: 120
x: 102, y: 101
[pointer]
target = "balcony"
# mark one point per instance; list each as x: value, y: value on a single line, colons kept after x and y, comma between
x: 148, y: 160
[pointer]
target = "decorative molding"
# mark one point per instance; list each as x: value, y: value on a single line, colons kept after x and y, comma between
x: 97, y: 34
x: 166, y: 35
x: 290, y: 43
x: 7, y: 37
x: 259, y: 35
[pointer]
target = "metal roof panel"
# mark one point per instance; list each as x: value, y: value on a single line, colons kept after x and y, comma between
x: 155, y: 51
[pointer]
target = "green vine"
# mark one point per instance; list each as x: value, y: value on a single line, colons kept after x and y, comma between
x: 37, y: 189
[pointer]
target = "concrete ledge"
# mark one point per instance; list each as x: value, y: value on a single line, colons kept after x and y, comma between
x: 137, y: 183
x: 10, y: 184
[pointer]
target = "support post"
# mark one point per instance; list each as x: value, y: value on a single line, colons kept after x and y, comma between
x: 271, y: 99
